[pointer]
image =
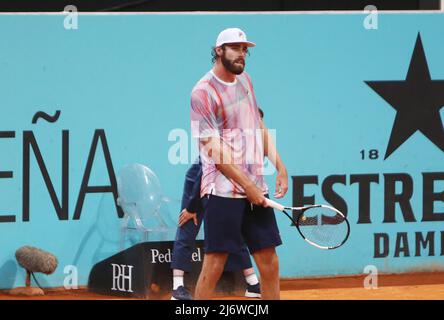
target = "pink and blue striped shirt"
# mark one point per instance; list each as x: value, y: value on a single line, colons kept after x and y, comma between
x: 228, y: 111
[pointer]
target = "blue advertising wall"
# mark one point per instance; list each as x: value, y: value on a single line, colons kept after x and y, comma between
x: 122, y: 85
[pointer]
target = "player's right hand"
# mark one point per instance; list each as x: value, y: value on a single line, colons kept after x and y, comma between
x: 255, y: 195
x: 185, y: 215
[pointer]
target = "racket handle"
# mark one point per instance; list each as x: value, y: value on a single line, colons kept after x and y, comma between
x: 275, y: 205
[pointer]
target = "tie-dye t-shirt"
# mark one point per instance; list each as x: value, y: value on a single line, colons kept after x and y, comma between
x: 229, y: 112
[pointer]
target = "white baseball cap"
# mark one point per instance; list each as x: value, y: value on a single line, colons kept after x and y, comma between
x: 233, y: 35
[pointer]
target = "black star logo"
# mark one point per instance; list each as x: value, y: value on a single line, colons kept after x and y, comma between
x: 417, y: 101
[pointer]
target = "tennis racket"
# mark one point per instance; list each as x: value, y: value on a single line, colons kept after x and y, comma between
x: 322, y: 226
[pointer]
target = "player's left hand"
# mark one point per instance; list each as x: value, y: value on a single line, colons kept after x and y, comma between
x: 185, y: 215
x: 281, y: 184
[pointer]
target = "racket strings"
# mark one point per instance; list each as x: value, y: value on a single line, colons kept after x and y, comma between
x: 324, y: 227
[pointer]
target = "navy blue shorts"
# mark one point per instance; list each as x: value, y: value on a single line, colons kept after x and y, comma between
x: 231, y: 223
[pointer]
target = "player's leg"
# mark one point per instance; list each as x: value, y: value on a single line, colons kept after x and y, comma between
x: 262, y: 236
x: 185, y: 239
x: 212, y: 268
x: 183, y: 247
x: 268, y: 264
x: 242, y: 262
x: 184, y: 244
x: 223, y: 235
x: 253, y: 287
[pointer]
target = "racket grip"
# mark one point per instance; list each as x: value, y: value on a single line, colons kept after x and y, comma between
x: 274, y: 205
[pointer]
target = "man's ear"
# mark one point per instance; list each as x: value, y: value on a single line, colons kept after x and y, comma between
x: 219, y: 51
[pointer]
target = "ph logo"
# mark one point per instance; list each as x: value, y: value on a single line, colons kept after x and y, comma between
x: 122, y: 277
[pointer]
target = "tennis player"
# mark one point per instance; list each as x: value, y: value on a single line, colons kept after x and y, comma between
x: 225, y: 118
x: 190, y: 220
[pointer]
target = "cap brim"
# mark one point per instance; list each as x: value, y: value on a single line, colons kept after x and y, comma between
x: 248, y: 43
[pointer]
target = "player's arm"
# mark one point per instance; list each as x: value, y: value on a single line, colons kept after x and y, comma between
x: 193, y: 203
x: 218, y: 151
x: 272, y: 154
x: 186, y: 215
x: 190, y: 211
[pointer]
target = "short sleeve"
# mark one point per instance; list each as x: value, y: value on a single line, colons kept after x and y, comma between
x: 203, y: 115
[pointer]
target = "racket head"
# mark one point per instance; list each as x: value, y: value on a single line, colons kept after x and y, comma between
x: 323, y: 226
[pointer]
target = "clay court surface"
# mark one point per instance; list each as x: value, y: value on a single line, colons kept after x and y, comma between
x: 413, y: 286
